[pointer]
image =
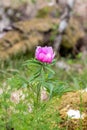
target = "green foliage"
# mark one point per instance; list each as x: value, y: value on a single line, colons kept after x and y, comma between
x: 45, y: 76
x: 21, y: 102
x: 26, y: 79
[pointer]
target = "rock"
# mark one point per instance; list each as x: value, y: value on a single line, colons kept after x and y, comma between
x: 16, y: 96
x: 72, y: 34
x: 26, y: 35
x: 48, y: 11
x: 62, y: 65
x: 73, y: 110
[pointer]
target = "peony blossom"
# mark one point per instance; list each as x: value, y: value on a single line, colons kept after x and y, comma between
x: 44, y: 54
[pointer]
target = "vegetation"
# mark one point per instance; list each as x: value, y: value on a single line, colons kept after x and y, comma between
x: 40, y: 96
x: 18, y: 109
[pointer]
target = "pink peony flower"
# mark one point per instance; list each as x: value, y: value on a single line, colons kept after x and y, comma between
x: 44, y: 54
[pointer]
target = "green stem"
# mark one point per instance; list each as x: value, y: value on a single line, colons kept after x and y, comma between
x: 38, y: 95
x: 39, y: 85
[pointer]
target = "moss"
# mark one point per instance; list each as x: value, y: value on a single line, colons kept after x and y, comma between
x: 74, y: 32
x: 48, y: 11
x: 26, y: 35
x: 76, y: 101
x: 40, y: 25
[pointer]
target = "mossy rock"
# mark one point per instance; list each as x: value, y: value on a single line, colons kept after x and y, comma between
x: 26, y: 35
x: 74, y: 101
x: 72, y: 34
x: 48, y: 11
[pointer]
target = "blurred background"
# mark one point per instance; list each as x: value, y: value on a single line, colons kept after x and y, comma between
x: 24, y: 24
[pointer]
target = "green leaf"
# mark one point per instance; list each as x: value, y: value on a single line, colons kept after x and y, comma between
x: 34, y: 76
x: 17, y: 81
x: 53, y: 62
x: 32, y: 62
x: 60, y: 90
x: 49, y: 69
x: 50, y: 88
